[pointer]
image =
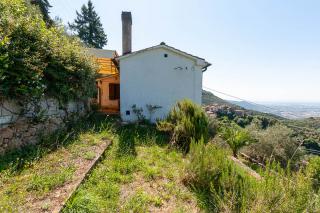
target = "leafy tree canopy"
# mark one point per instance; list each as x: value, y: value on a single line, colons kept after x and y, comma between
x: 36, y: 60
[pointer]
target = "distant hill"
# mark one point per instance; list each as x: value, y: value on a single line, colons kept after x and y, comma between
x: 308, y: 129
x: 286, y: 110
x: 254, y: 107
x: 210, y: 98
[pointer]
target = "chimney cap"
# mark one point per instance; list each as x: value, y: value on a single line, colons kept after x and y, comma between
x: 126, y: 15
x: 163, y: 43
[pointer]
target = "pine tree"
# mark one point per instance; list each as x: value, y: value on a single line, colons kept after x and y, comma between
x: 88, y: 27
x: 44, y: 6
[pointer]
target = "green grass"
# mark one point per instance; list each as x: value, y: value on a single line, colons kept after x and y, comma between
x: 90, y: 155
x: 30, y: 174
x: 139, y: 173
x: 47, y: 180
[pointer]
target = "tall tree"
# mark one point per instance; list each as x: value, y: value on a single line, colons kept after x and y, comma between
x: 88, y: 27
x: 44, y: 6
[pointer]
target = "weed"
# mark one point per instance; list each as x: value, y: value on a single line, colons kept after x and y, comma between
x: 151, y: 173
x: 47, y: 181
x: 89, y: 155
x: 138, y: 202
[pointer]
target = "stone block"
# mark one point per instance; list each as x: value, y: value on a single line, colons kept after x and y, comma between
x: 55, y: 120
x: 21, y: 125
x: 30, y: 140
x: 6, y: 143
x: 9, y: 108
x: 6, y: 119
x: 7, y: 133
x: 32, y: 131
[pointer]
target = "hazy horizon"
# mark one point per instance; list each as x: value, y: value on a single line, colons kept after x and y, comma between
x: 259, y: 50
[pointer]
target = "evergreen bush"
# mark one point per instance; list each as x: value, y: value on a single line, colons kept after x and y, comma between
x: 186, y: 121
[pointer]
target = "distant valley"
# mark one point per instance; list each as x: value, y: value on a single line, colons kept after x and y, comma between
x: 285, y: 110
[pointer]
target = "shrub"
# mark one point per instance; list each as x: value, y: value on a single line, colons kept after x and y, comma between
x: 236, y: 137
x: 186, y: 121
x: 275, y: 144
x: 213, y: 127
x: 222, y: 186
x: 282, y: 190
x: 36, y: 60
x: 313, y: 171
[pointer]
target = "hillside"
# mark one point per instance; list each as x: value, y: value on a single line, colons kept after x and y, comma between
x: 307, y: 129
x: 210, y: 98
x: 250, y: 106
x: 286, y: 110
x: 140, y: 171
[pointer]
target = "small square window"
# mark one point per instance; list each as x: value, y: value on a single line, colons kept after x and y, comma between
x: 166, y: 55
x: 128, y: 112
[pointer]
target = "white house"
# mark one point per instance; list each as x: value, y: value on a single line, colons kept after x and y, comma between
x: 156, y: 76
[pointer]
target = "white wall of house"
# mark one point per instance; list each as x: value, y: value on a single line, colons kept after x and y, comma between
x: 151, y: 78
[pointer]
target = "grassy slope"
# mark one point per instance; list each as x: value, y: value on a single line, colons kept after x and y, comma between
x: 139, y: 173
x: 29, y: 175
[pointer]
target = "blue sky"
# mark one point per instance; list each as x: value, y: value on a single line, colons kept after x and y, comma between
x: 260, y: 50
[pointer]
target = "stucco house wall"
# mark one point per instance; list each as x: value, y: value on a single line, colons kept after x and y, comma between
x: 103, y: 93
x: 151, y: 78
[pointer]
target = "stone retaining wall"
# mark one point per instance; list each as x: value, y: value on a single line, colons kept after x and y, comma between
x: 19, y: 127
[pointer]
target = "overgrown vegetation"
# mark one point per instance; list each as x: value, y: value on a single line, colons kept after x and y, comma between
x: 221, y: 186
x: 139, y: 173
x: 186, y: 121
x: 44, y: 6
x: 31, y: 174
x: 218, y: 183
x: 142, y: 172
x: 236, y: 137
x: 37, y: 60
x: 276, y: 143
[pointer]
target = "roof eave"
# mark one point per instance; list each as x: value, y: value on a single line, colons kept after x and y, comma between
x: 206, y: 67
x: 160, y: 46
